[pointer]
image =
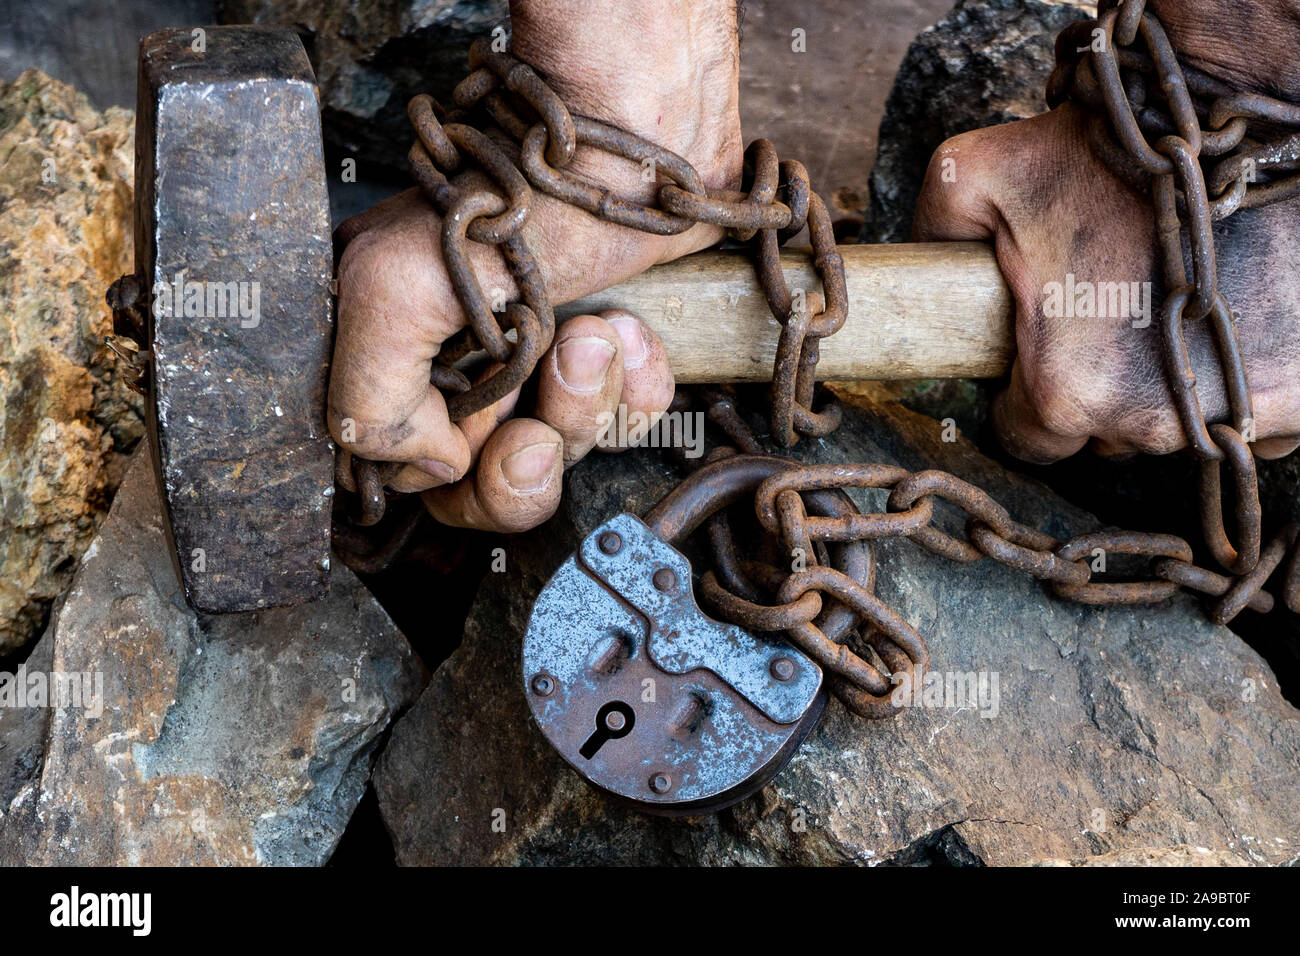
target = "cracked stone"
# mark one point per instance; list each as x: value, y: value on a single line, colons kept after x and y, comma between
x: 227, y: 739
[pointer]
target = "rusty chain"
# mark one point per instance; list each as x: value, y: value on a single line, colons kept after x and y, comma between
x: 482, y: 184
x: 1147, y: 113
x: 794, y: 582
x: 1099, y: 69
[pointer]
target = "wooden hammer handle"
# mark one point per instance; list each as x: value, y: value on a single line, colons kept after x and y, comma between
x: 927, y: 310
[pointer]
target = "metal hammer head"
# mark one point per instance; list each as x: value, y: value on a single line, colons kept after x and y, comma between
x: 233, y: 265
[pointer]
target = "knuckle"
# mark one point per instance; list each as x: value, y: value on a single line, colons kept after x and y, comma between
x: 359, y: 261
x: 1066, y: 403
x: 1151, y: 430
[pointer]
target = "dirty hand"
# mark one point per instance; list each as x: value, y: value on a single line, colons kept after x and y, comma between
x: 1059, y: 219
x: 666, y: 71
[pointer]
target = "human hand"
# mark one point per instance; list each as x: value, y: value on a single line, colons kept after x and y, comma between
x: 668, y: 72
x: 1060, y: 219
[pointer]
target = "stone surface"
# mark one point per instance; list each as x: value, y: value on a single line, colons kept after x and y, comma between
x: 66, y: 418
x: 1164, y: 856
x: 985, y: 63
x: 234, y: 739
x: 1121, y: 735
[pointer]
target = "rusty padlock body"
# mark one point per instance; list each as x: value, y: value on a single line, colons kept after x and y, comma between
x: 645, y: 696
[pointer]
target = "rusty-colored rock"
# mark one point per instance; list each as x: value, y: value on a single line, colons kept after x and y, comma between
x: 66, y: 418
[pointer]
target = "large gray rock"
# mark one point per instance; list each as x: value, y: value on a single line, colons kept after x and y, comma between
x: 1143, y: 735
x: 985, y: 63
x: 234, y: 739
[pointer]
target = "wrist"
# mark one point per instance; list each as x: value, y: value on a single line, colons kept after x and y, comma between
x: 667, y: 71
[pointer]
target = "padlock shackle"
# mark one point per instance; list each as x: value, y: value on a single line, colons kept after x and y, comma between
x: 707, y: 491
x: 724, y: 482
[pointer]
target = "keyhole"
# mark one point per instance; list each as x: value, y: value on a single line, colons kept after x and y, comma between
x: 613, y: 721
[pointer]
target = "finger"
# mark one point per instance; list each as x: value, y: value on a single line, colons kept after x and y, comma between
x: 648, y: 381
x: 476, y: 428
x: 436, y: 449
x: 393, y: 315
x: 516, y: 485
x: 1272, y: 448
x: 580, y: 380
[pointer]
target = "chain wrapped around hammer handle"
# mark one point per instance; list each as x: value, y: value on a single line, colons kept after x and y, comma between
x: 1148, y: 112
x: 483, y: 187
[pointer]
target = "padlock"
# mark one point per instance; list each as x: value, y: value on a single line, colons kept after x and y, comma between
x: 645, y: 696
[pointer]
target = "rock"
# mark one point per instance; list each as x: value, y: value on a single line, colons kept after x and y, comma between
x: 987, y: 62
x: 371, y: 57
x: 1118, y: 733
x: 1164, y: 856
x: 233, y: 739
x: 22, y: 734
x: 67, y: 419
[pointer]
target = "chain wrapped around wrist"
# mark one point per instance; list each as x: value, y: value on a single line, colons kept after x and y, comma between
x: 1146, y: 124
x: 482, y: 185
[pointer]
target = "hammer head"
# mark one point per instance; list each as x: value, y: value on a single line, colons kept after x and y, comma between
x: 233, y: 254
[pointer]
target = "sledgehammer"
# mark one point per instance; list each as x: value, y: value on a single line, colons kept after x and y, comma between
x: 231, y: 303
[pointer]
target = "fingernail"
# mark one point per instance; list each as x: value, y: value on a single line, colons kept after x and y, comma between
x: 439, y: 469
x: 634, y: 347
x: 582, y: 362
x: 529, y: 470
